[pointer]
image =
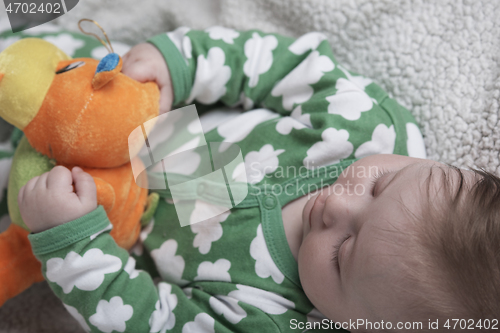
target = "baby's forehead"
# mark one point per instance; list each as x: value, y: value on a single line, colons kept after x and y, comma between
x: 420, y: 188
x: 423, y: 189
x: 425, y: 192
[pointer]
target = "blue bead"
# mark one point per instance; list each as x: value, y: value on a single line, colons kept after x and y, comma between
x: 108, y: 63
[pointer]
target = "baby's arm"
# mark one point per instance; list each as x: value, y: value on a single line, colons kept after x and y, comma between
x: 99, y: 285
x: 95, y: 279
x: 80, y: 260
x: 234, y: 67
x: 299, y: 78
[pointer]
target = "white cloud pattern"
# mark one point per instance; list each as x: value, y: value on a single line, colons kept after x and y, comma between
x: 43, y: 28
x: 217, y: 271
x: 259, y: 163
x: 202, y: 323
x: 349, y: 100
x: 163, y: 318
x: 181, y: 41
x: 296, y: 120
x: 185, y: 163
x: 309, y: 41
x: 264, y: 264
x: 246, y: 101
x: 227, y: 307
x: 226, y: 34
x: 382, y: 142
x: 130, y: 268
x: 147, y: 230
x: 67, y: 43
x: 211, y: 77
x: 259, y: 53
x: 112, y: 316
x: 170, y: 266
x: 83, y: 272
x: 188, y: 292
x: 238, y: 128
x: 296, y: 86
x: 359, y: 80
x: 218, y: 116
x: 334, y: 147
x: 138, y: 248
x: 210, y: 230
x: 266, y: 301
x: 239, y: 173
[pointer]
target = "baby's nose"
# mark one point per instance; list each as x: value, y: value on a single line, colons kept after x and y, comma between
x: 107, y: 69
x: 343, y: 203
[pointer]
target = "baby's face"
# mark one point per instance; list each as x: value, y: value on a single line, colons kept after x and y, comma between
x: 352, y: 257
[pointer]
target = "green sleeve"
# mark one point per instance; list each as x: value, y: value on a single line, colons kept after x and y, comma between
x: 95, y: 279
x: 99, y: 285
x: 247, y: 67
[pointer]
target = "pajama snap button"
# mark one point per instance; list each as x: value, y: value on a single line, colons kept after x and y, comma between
x: 201, y: 189
x: 270, y: 201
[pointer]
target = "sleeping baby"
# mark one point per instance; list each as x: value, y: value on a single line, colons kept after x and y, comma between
x: 346, y: 225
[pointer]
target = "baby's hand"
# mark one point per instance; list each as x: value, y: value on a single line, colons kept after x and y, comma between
x: 145, y: 63
x: 48, y: 200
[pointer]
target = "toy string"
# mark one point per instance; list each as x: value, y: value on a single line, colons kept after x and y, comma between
x: 108, y: 46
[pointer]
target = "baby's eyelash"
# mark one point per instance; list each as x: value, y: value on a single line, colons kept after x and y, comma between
x: 336, y: 248
x: 377, y: 177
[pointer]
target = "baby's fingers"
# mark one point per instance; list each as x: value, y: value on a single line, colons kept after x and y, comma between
x: 84, y: 186
x: 30, y: 185
x: 59, y: 178
x: 139, y: 71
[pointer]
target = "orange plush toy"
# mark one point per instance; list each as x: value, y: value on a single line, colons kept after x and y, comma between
x: 73, y: 112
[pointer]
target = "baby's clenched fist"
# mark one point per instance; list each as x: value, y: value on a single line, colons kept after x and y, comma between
x: 145, y: 63
x: 49, y: 200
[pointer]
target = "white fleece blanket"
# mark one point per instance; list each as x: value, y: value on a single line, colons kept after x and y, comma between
x: 439, y: 58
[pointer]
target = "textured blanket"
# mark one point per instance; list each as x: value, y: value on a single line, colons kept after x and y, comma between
x: 440, y: 59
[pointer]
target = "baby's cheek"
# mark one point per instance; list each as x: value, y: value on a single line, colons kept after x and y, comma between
x: 318, y: 275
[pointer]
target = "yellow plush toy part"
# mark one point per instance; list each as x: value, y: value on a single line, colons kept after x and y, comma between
x: 73, y: 112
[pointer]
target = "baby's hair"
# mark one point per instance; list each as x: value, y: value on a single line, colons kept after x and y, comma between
x: 460, y: 239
